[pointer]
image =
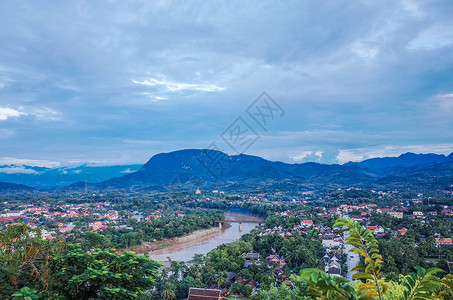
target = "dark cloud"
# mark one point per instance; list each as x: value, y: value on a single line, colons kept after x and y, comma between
x: 120, y: 81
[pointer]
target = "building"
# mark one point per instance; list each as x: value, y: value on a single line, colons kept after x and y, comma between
x: 443, y: 242
x: 328, y: 243
x: 402, y: 231
x: 204, y: 294
x: 398, y: 215
x: 251, y: 258
x: 275, y: 259
x: 333, y: 268
x: 307, y: 223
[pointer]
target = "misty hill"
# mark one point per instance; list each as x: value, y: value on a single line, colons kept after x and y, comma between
x: 53, y: 177
x: 402, y: 164
x: 192, y: 168
x: 12, y: 187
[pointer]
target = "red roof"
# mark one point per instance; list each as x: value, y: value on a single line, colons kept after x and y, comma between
x: 7, y: 219
x: 402, y: 231
x: 444, y: 241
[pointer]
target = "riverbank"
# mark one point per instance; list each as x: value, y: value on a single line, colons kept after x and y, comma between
x: 178, y: 242
x: 199, y: 242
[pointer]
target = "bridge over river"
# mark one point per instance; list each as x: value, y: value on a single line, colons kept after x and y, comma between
x: 254, y: 220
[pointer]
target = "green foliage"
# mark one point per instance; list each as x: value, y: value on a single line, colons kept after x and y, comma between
x: 24, y: 259
x: 102, y: 274
x: 247, y: 290
x: 446, y: 291
x: 366, y: 246
x: 371, y: 285
x: 324, y: 286
x: 25, y: 293
x: 281, y: 293
x: 96, y: 240
x: 422, y: 284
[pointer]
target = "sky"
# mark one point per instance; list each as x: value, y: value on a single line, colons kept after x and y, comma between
x: 115, y: 82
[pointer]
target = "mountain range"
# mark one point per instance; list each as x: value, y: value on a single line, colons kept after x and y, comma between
x: 42, y: 177
x: 194, y: 168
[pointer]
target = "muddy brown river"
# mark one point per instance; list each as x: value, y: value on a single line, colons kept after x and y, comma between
x: 185, y: 251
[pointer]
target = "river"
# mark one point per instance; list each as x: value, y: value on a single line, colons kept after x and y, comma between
x: 185, y: 251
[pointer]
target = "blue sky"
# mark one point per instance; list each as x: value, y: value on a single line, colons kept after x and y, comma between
x: 115, y: 82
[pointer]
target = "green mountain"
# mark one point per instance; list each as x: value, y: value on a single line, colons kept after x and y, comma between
x: 192, y: 168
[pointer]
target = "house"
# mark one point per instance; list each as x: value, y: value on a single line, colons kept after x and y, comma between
x: 443, y: 242
x: 307, y: 223
x: 13, y: 214
x: 398, y: 215
x: 376, y: 229
x: 251, y: 258
x: 204, y: 294
x: 402, y: 231
x: 334, y: 268
x: 251, y: 255
x: 330, y: 243
x: 275, y: 259
x: 138, y: 217
x: 96, y: 225
x: 179, y: 214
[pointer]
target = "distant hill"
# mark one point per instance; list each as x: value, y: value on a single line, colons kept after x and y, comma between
x: 41, y: 177
x: 12, y: 187
x: 192, y: 168
x: 401, y: 164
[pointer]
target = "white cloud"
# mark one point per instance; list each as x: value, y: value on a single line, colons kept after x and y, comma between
x: 436, y: 36
x: 310, y: 155
x: 411, y: 7
x: 28, y: 162
x: 154, y: 98
x: 17, y: 170
x: 441, y: 104
x: 360, y: 154
x: 445, y: 102
x: 364, y: 51
x: 179, y: 86
x: 45, y: 114
x: 6, y: 113
x: 345, y: 156
x: 5, y: 133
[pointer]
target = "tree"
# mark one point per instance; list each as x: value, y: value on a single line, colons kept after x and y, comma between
x: 236, y: 287
x: 24, y: 258
x: 420, y: 285
x: 96, y: 240
x: 247, y: 290
x: 102, y: 274
x: 168, y: 293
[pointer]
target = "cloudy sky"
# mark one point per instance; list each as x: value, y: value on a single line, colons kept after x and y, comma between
x: 115, y: 82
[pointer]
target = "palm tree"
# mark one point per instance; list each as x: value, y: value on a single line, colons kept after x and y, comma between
x: 169, y: 291
x: 222, y: 279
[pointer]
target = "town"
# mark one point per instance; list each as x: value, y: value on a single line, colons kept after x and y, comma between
x: 295, y: 222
